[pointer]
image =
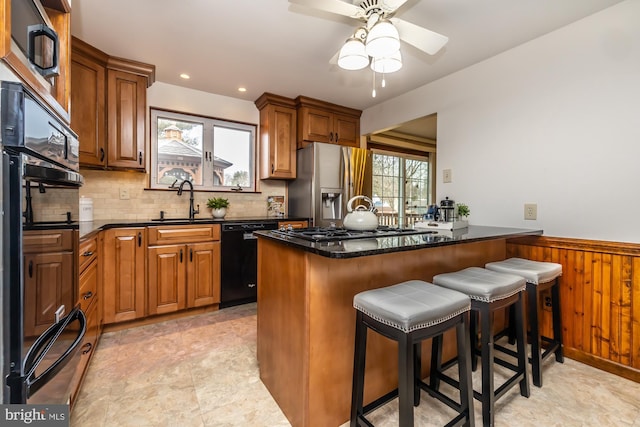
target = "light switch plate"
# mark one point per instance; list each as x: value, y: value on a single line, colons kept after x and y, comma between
x: 446, y: 175
x: 530, y: 211
x: 124, y: 194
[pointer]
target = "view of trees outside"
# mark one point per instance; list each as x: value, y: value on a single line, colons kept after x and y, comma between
x: 234, y: 146
x: 400, y: 186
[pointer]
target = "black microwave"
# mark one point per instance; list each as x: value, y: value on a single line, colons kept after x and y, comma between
x: 31, y: 31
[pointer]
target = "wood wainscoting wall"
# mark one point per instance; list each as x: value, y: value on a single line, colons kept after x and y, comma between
x: 600, y: 299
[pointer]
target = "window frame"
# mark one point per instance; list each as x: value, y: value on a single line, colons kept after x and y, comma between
x: 400, y: 216
x: 208, y: 148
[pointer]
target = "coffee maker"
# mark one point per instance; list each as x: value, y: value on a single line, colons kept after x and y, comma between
x: 447, y: 210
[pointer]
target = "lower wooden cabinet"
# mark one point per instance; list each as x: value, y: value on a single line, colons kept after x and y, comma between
x: 183, y: 275
x: 124, y: 274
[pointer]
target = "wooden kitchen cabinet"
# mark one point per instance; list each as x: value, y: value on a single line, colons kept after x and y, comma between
x: 321, y: 121
x: 184, y: 267
x: 277, y: 136
x: 54, y: 90
x: 109, y: 99
x: 49, y: 277
x: 89, y: 300
x: 124, y: 274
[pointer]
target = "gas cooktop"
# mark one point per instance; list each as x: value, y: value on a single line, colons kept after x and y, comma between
x: 330, y: 234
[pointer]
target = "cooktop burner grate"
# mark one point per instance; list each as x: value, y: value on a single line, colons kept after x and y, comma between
x: 329, y: 234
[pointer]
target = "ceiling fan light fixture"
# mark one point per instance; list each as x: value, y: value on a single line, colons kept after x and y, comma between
x: 353, y: 55
x: 387, y: 65
x: 383, y: 39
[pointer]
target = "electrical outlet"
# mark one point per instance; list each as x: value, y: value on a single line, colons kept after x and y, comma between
x: 446, y: 175
x: 124, y: 194
x: 530, y: 211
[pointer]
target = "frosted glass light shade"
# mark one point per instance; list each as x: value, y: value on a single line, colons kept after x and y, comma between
x: 383, y: 39
x: 387, y: 65
x: 353, y: 55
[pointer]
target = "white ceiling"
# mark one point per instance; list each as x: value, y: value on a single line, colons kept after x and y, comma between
x: 273, y: 46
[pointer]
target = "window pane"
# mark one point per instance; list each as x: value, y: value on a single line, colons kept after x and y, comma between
x: 416, y: 187
x: 179, y: 151
x: 232, y: 157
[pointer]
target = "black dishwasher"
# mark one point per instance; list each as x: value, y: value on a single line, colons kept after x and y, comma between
x: 239, y: 275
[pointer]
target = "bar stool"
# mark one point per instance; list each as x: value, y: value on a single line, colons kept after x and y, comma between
x: 539, y: 276
x: 489, y: 291
x: 409, y: 313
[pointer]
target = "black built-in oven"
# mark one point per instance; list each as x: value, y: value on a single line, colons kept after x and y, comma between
x: 43, y: 326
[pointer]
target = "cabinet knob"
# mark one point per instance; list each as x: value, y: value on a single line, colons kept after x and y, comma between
x: 180, y: 255
x: 87, y: 253
x: 139, y: 239
x: 272, y: 168
x: 102, y: 155
x: 140, y: 158
x: 330, y: 136
x: 87, y: 295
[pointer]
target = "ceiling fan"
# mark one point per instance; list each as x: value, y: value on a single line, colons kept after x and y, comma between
x: 373, y: 12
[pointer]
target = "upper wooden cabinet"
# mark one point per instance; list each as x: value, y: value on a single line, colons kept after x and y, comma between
x: 108, y: 105
x: 277, y: 136
x: 324, y: 122
x: 54, y: 90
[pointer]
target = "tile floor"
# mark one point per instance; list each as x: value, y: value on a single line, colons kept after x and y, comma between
x: 202, y: 371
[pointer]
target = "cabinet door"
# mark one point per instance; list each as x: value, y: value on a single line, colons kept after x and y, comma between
x: 124, y: 274
x: 346, y: 130
x: 167, y: 278
x: 48, y: 285
x: 278, y: 143
x: 126, y: 105
x: 316, y: 125
x: 87, y: 112
x: 86, y: 348
x: 203, y: 274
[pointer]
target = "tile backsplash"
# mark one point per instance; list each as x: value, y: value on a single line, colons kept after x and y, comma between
x: 104, y: 188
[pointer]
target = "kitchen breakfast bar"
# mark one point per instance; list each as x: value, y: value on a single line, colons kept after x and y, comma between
x: 306, y: 320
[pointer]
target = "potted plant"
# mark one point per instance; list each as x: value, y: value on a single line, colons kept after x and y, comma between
x: 463, y: 211
x: 218, y: 206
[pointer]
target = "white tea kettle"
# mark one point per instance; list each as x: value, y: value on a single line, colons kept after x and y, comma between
x: 360, y: 218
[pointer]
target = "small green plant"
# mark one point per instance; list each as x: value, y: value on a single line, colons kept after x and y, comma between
x: 463, y: 210
x: 217, y: 203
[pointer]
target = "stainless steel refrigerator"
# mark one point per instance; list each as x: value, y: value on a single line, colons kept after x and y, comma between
x: 328, y: 175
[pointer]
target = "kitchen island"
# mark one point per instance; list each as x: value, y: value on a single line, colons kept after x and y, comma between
x: 306, y: 321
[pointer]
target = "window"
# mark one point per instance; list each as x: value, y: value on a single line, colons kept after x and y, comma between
x: 401, y: 187
x: 213, y: 154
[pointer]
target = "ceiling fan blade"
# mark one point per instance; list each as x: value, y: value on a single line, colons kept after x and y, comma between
x: 425, y: 40
x: 390, y: 6
x: 333, y: 6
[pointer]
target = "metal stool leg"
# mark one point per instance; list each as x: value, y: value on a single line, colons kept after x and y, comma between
x: 488, y: 396
x: 536, y: 347
x: 557, y: 320
x: 358, y: 370
x: 521, y: 335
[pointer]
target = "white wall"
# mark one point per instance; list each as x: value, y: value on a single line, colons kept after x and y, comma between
x: 555, y: 121
x: 184, y: 100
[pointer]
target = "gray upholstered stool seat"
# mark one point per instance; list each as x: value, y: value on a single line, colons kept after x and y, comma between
x: 540, y: 276
x: 535, y: 272
x: 409, y: 313
x: 411, y: 305
x: 489, y: 291
x: 481, y: 284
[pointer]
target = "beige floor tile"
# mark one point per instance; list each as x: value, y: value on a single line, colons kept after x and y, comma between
x: 202, y: 371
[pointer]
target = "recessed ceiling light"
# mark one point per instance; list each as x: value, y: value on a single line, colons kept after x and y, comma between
x: 185, y: 76
x: 242, y: 89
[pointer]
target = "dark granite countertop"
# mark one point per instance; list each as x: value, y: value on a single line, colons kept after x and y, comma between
x: 89, y: 227
x: 380, y: 245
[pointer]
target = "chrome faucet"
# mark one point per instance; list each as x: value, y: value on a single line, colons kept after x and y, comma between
x: 192, y: 210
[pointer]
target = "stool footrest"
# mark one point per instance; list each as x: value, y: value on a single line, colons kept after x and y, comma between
x: 439, y: 395
x: 379, y: 402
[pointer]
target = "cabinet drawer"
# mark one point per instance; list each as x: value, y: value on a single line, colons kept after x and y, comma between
x: 47, y: 241
x: 87, y: 347
x: 87, y: 253
x: 88, y: 288
x: 183, y: 234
